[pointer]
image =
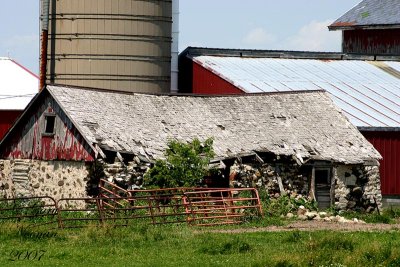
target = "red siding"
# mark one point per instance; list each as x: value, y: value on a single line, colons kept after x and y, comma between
x: 388, y: 144
x: 28, y: 140
x: 7, y: 119
x: 206, y: 82
x: 372, y: 41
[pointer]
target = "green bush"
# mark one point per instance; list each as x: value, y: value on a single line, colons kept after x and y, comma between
x: 185, y: 165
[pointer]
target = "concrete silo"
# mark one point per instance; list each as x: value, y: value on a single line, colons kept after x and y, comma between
x: 121, y: 45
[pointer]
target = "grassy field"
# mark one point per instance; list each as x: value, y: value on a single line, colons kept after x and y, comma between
x: 144, y: 245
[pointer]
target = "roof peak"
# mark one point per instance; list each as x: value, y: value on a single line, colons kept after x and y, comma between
x: 285, y: 54
x: 370, y: 14
x: 60, y: 87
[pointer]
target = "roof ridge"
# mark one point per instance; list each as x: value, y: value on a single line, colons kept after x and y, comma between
x: 192, y: 52
x: 60, y: 86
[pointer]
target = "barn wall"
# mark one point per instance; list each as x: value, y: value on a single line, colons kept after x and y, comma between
x: 357, y: 187
x: 388, y: 145
x: 57, y: 179
x: 206, y: 82
x: 372, y: 41
x: 7, y: 119
x: 30, y: 142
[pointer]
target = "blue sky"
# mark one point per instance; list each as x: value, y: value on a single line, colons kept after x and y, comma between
x: 258, y: 24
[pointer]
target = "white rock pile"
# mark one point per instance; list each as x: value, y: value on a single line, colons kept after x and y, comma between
x: 306, y: 215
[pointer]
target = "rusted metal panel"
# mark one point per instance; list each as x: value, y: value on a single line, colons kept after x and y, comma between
x: 388, y: 145
x: 206, y: 82
x: 29, y: 141
x: 376, y: 42
x: 7, y: 118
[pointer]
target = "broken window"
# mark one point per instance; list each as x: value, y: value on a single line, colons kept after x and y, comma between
x: 49, y: 124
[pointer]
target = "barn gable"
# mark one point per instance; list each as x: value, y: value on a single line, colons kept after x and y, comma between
x: 45, y: 132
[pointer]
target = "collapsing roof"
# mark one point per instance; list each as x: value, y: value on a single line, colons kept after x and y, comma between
x: 18, y: 85
x: 366, y: 90
x: 305, y: 125
x: 370, y: 14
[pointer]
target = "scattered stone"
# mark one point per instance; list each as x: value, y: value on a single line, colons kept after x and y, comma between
x: 310, y: 215
x: 323, y: 214
x: 301, y: 211
x: 289, y: 215
x: 302, y: 217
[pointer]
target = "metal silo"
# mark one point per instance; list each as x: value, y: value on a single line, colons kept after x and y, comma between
x: 110, y: 44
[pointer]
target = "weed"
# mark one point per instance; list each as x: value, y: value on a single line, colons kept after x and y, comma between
x: 284, y: 263
x: 294, y: 236
x: 227, y: 247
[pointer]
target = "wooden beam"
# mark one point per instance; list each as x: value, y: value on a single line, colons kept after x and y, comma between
x: 333, y: 181
x: 312, y: 185
x: 259, y: 159
x: 119, y: 156
x: 99, y: 151
x: 281, y: 189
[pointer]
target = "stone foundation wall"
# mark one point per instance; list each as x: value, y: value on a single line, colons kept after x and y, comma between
x: 265, y: 177
x: 6, y: 184
x: 57, y: 179
x: 128, y: 176
x: 358, y: 187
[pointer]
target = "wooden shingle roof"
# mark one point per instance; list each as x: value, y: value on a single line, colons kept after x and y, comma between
x: 305, y: 125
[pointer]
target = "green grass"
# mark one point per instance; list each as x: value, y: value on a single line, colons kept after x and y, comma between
x: 144, y: 245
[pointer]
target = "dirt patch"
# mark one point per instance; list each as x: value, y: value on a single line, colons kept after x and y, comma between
x: 319, y: 226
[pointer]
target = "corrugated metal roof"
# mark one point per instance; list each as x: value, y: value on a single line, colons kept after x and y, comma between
x: 305, y: 125
x: 370, y: 13
x: 18, y: 85
x: 367, y: 92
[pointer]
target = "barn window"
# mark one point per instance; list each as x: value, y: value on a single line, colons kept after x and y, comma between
x: 49, y: 124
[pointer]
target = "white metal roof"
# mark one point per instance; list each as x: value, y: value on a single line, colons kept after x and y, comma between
x: 18, y: 85
x: 367, y: 91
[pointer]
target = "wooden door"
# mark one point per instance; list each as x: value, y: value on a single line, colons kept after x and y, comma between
x: 323, y: 187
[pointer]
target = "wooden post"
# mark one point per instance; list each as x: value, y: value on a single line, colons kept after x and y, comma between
x: 333, y: 181
x: 281, y: 189
x: 312, y: 184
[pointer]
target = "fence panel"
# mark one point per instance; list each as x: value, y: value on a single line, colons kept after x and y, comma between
x: 224, y: 206
x: 32, y: 212
x: 200, y: 207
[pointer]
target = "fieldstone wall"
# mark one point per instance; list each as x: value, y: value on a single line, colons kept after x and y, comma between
x: 266, y: 177
x: 6, y: 184
x: 128, y: 176
x: 57, y: 179
x: 358, y: 187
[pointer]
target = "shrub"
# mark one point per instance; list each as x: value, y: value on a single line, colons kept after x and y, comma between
x: 285, y: 204
x: 185, y: 164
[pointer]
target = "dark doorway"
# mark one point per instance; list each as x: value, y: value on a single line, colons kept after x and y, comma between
x: 323, y: 187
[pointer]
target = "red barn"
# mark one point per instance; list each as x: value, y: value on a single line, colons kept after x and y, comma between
x: 19, y: 86
x: 65, y: 129
x: 366, y: 88
x: 372, y: 27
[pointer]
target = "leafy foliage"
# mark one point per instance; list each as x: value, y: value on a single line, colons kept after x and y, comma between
x: 185, y: 164
x: 285, y: 204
